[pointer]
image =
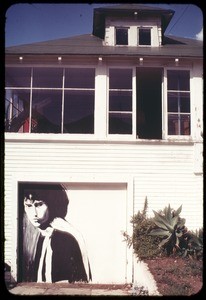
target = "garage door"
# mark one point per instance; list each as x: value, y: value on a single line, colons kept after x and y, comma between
x: 99, y: 212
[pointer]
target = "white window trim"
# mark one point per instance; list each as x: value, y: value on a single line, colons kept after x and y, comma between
x: 123, y: 136
x: 101, y: 117
x: 151, y: 35
x: 165, y: 109
x: 62, y: 89
x: 115, y: 33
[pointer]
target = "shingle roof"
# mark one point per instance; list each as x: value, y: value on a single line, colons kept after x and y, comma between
x: 89, y: 44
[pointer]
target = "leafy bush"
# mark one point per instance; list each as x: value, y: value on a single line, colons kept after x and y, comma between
x: 165, y: 232
x: 176, y: 237
x: 192, y: 244
x: 169, y: 226
x: 144, y: 245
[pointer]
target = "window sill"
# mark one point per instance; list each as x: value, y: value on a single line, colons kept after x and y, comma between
x: 90, y: 138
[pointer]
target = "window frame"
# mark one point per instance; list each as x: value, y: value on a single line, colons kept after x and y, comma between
x: 101, y: 128
x: 71, y: 89
x: 121, y: 27
x: 62, y: 89
x: 115, y: 136
x: 166, y: 135
x: 138, y: 33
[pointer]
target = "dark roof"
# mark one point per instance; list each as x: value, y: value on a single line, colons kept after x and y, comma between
x: 122, y: 10
x: 89, y: 44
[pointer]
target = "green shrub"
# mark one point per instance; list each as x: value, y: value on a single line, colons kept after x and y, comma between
x: 175, y: 236
x: 145, y: 246
x: 170, y: 227
x: 164, y: 233
x: 192, y: 244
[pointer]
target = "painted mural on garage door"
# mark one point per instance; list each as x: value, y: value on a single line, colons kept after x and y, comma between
x: 72, y: 232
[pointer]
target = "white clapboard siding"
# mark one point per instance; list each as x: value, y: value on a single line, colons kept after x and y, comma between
x: 164, y: 173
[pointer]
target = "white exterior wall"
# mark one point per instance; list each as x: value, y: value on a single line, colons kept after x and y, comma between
x: 164, y: 172
x: 154, y: 24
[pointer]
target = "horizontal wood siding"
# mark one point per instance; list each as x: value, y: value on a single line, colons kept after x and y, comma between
x: 162, y: 172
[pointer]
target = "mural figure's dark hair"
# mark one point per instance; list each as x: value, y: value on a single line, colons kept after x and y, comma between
x: 54, y: 195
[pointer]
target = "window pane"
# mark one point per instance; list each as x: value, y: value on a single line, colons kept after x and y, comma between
x: 120, y: 101
x: 79, y: 78
x: 120, y: 123
x: 172, y: 102
x: 178, y: 102
x: 144, y: 36
x: 120, y: 78
x: 47, y: 77
x: 178, y: 80
x: 185, y: 102
x: 185, y: 124
x: 173, y: 125
x: 121, y: 36
x: 46, y: 111
x: 79, y: 112
x: 17, y: 110
x: 18, y: 77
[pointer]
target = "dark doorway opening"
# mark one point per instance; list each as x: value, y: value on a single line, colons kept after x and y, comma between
x: 149, y: 103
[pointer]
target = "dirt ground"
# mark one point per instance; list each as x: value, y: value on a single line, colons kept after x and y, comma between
x: 77, y: 285
x: 176, y: 276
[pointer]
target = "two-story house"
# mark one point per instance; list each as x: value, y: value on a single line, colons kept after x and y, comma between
x: 114, y: 116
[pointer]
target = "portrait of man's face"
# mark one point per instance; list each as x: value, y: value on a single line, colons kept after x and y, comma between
x: 37, y: 211
x: 51, y: 249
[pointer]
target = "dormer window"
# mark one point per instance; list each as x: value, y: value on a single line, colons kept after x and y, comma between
x: 121, y: 36
x: 144, y: 36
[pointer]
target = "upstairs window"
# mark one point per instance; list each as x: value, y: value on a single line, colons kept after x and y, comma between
x: 17, y: 99
x: 178, y: 102
x: 144, y: 36
x: 50, y: 100
x: 79, y: 100
x: 120, y: 101
x: 46, y: 100
x: 121, y: 36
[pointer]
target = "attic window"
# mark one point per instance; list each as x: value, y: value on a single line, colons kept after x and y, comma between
x: 144, y: 36
x: 121, y: 36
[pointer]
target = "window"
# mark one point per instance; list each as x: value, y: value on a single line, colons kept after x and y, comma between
x: 121, y: 36
x: 144, y: 36
x: 62, y: 100
x: 79, y: 101
x: 17, y: 106
x: 50, y: 100
x: 178, y: 102
x: 120, y: 101
x: 46, y: 100
x: 17, y: 102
